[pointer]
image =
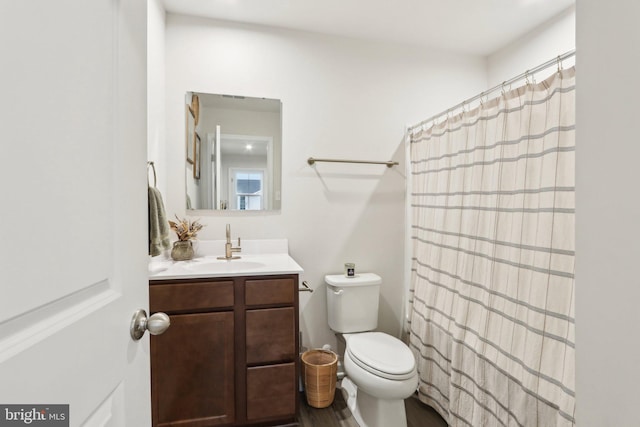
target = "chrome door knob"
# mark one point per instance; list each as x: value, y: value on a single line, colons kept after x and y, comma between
x: 156, y: 324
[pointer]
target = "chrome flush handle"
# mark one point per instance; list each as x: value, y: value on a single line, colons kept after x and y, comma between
x: 305, y: 287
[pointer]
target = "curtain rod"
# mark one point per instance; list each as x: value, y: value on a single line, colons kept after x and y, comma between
x: 526, y: 74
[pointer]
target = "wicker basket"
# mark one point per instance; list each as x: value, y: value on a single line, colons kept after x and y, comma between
x: 320, y: 371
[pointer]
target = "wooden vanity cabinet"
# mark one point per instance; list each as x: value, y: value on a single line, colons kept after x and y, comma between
x: 230, y: 356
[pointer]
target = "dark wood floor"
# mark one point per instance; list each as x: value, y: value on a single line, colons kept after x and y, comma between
x: 338, y: 415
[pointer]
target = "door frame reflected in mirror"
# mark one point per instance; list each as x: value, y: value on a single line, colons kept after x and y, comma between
x: 230, y: 144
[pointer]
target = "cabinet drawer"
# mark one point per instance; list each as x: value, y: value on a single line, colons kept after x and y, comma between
x: 271, y: 391
x: 270, y: 291
x: 190, y: 296
x: 271, y: 335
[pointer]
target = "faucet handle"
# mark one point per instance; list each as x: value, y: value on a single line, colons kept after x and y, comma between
x: 238, y: 242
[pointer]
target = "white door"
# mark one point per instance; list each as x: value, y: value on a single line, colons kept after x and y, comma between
x: 73, y: 233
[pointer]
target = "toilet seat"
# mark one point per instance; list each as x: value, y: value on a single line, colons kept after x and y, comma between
x: 382, y: 355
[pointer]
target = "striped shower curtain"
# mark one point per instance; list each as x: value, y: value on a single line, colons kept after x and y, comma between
x: 492, y: 282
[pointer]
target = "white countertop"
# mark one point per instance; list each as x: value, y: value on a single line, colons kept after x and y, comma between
x: 258, y: 258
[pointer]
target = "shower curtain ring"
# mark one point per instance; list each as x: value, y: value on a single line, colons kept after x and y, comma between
x: 559, y: 61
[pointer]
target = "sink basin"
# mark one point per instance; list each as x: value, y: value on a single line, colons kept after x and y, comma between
x: 220, y: 265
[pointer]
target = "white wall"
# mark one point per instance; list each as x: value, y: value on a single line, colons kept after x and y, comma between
x: 341, y: 98
x: 546, y: 42
x: 608, y: 214
x: 155, y: 92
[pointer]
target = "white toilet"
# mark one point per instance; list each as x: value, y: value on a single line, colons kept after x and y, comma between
x: 380, y: 369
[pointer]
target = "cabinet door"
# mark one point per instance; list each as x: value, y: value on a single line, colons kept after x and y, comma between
x: 192, y: 367
x: 271, y: 335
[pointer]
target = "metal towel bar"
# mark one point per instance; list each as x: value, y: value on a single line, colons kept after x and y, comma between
x: 389, y: 163
x: 151, y: 165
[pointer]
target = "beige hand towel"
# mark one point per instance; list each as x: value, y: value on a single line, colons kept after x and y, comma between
x: 158, y: 225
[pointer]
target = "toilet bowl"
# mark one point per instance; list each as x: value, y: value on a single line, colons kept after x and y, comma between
x: 380, y: 369
x: 380, y: 373
x: 381, y: 365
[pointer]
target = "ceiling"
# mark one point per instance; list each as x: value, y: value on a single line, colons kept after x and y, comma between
x: 478, y: 27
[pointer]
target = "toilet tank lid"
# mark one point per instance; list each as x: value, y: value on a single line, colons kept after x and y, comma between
x: 360, y: 279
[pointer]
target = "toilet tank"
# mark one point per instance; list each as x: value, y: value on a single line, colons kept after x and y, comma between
x: 352, y: 302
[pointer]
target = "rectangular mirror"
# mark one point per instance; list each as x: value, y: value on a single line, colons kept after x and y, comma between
x: 233, y: 152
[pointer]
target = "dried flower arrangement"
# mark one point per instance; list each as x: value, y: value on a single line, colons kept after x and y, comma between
x: 185, y: 229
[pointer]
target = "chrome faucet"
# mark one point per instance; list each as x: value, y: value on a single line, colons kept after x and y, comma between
x: 228, y: 247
